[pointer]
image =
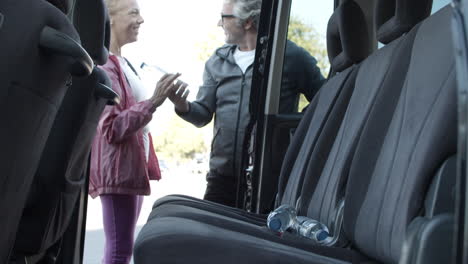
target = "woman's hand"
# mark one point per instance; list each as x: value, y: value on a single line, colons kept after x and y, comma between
x: 164, y: 88
x: 178, y: 96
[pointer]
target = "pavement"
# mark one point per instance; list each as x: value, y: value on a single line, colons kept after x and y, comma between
x: 174, y: 181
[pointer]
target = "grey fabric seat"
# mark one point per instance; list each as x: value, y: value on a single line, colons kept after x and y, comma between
x: 61, y: 174
x: 35, y: 74
x: 420, y: 141
x: 331, y: 181
x: 396, y: 157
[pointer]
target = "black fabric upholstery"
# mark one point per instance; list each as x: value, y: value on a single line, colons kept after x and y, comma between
x: 395, y: 17
x: 400, y: 132
x: 332, y: 104
x: 33, y: 83
x: 92, y: 22
x: 429, y: 240
x: 59, y: 177
x: 382, y: 201
x: 348, y: 40
x: 440, y: 199
x: 179, y: 203
x: 295, y: 146
x: 214, y: 241
x: 375, y: 94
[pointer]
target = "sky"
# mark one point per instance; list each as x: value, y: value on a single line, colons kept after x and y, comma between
x: 174, y: 30
x: 314, y: 12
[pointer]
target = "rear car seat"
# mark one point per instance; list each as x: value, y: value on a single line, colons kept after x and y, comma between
x: 38, y: 59
x: 388, y: 180
x: 420, y: 142
x: 61, y: 174
x: 325, y: 200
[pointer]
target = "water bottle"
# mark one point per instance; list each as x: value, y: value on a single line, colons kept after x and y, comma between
x: 282, y: 218
x: 312, y: 229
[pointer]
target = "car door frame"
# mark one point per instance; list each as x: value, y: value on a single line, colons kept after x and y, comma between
x: 268, y: 67
x: 258, y: 181
x: 460, y: 30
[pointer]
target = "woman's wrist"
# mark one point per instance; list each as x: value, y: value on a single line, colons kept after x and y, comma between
x: 153, y: 105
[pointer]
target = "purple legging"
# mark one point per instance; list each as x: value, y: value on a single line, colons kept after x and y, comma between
x: 120, y: 214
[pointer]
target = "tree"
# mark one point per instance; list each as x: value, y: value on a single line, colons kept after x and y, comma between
x: 308, y: 38
x: 209, y: 44
x: 182, y: 140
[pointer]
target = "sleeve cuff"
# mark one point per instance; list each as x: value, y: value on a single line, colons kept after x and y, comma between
x: 182, y: 114
x: 149, y: 106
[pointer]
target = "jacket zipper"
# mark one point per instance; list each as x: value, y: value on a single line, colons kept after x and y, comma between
x: 238, y: 119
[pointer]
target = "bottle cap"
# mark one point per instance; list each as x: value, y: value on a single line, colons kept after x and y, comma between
x: 321, y: 235
x: 274, y: 224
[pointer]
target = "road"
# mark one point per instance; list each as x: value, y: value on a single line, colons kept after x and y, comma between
x: 174, y: 181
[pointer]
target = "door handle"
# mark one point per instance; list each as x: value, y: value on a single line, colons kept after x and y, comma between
x: 59, y: 43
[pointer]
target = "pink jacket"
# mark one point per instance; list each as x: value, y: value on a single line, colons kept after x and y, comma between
x: 118, y: 163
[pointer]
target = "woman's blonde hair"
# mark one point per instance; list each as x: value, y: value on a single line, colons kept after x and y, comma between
x: 112, y: 6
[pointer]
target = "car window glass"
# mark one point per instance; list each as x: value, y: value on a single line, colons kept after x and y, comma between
x: 306, y: 63
x: 438, y: 4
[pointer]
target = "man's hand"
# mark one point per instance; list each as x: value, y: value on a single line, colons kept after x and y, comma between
x: 164, y: 88
x: 178, y: 95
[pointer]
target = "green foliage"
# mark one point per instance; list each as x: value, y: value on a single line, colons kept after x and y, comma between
x: 207, y: 47
x: 302, y: 102
x: 182, y: 140
x: 308, y: 38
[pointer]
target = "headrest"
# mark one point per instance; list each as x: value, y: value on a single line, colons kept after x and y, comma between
x: 348, y: 40
x: 393, y: 18
x: 92, y: 22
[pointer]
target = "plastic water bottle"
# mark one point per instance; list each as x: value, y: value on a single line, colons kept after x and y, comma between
x: 282, y: 218
x: 312, y: 229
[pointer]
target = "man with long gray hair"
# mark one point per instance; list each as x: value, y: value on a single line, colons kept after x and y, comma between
x: 226, y: 92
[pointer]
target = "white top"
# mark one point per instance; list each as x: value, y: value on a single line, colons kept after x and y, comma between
x: 244, y: 58
x: 138, y: 91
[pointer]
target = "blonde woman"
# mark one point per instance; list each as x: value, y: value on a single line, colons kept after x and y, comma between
x: 122, y: 158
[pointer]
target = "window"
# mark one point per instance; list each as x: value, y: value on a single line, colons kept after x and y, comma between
x: 306, y: 63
